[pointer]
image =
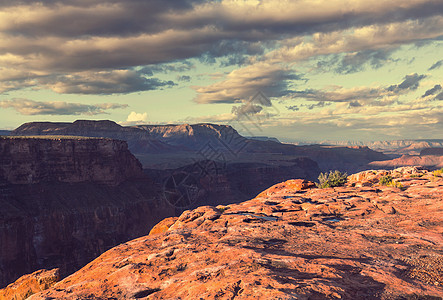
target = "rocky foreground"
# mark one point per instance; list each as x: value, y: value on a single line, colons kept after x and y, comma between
x: 293, y: 241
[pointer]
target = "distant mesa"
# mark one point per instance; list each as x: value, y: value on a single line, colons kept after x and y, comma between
x: 178, y: 145
x: 431, y: 151
x: 263, y: 138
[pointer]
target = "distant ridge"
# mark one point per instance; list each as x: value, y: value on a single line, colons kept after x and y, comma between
x: 183, y: 143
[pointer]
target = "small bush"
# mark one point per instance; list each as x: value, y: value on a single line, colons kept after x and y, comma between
x: 332, y: 179
x: 387, y: 181
x: 437, y: 173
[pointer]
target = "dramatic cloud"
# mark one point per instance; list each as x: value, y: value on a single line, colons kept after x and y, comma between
x: 379, y: 96
x: 105, y: 82
x: 108, y: 36
x: 244, y: 83
x: 30, y: 107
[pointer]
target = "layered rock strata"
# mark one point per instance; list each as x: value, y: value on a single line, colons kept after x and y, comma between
x: 65, y: 200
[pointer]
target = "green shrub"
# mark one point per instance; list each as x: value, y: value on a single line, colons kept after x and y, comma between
x: 387, y: 181
x: 332, y: 179
x: 437, y: 173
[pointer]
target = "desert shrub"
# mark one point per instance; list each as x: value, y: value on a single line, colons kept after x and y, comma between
x: 387, y: 181
x: 437, y: 173
x: 332, y: 179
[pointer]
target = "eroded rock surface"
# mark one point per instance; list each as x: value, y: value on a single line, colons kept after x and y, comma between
x: 30, y: 284
x: 371, y: 242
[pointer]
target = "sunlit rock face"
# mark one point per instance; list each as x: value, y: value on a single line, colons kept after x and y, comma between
x: 293, y: 241
x: 64, y: 201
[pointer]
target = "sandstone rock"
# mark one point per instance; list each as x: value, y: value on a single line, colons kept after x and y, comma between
x: 289, y: 186
x: 163, y: 225
x: 334, y: 243
x: 30, y: 284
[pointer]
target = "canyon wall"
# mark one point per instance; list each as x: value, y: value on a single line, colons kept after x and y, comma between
x: 29, y: 160
x: 64, y: 201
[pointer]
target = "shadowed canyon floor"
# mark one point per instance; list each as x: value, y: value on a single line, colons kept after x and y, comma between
x: 293, y: 241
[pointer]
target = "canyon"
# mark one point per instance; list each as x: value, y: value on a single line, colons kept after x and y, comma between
x: 363, y: 240
x: 174, y: 146
x: 64, y: 201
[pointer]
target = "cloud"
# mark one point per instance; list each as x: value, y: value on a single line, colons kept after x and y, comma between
x: 105, y: 82
x: 88, y: 82
x: 110, y: 36
x: 437, y: 65
x: 356, y: 61
x: 308, y: 106
x: 365, y: 38
x: 30, y: 107
x: 359, y: 96
x: 184, y: 78
x: 410, y: 82
x: 432, y: 91
x: 242, y: 84
x: 135, y: 119
x: 246, y: 109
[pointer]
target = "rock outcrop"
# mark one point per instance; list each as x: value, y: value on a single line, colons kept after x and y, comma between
x: 290, y: 242
x: 29, y: 160
x: 64, y: 201
x: 30, y: 284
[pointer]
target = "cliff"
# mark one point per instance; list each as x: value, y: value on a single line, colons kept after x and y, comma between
x: 66, y: 200
x: 173, y: 146
x: 29, y: 160
x: 434, y: 161
x: 293, y: 241
x: 432, y: 151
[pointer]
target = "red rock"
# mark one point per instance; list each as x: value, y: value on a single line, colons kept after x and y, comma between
x: 163, y: 225
x: 335, y: 243
x: 288, y: 186
x: 30, y: 284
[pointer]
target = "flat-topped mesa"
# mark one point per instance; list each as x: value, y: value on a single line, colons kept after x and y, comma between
x: 29, y: 160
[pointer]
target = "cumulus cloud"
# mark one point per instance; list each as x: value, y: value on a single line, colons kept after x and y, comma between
x: 135, y: 118
x: 31, y: 107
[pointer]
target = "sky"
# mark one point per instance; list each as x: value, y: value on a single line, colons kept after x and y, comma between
x: 301, y: 70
